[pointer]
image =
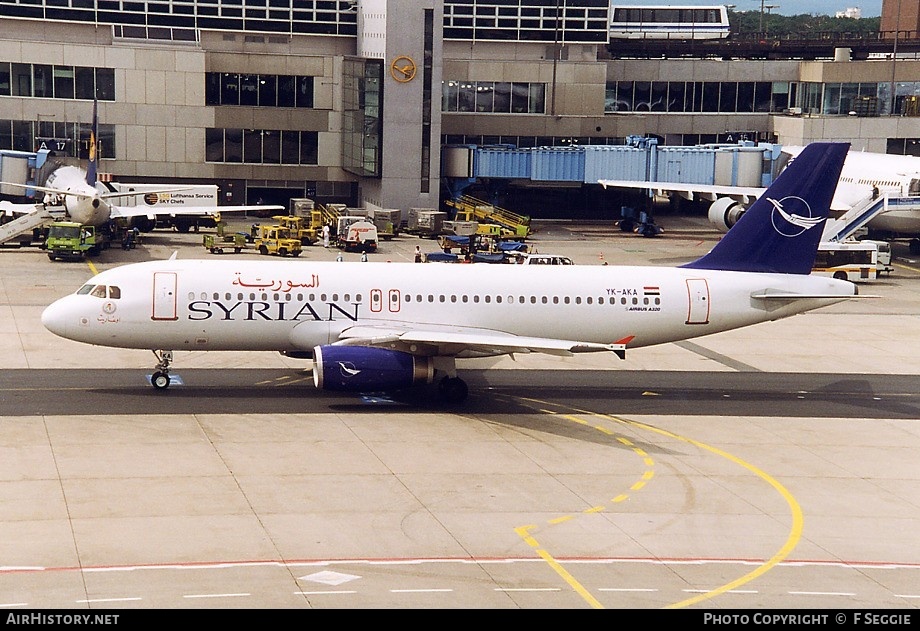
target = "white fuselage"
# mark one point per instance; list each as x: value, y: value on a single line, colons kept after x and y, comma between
x: 286, y: 305
x: 83, y: 203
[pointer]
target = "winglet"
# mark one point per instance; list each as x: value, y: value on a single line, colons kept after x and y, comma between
x: 781, y: 230
x: 92, y: 167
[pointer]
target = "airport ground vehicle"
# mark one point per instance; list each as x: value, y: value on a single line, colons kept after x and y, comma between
x: 847, y: 260
x: 277, y: 240
x: 71, y: 241
x: 669, y: 22
x: 355, y: 234
x: 884, y: 256
x: 307, y: 229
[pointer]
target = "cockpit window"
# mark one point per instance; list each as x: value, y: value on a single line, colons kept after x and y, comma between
x: 100, y: 291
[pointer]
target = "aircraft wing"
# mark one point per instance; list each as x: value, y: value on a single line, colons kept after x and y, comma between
x: 19, y: 209
x: 451, y: 340
x: 844, y: 197
x: 711, y: 192
x: 151, y: 211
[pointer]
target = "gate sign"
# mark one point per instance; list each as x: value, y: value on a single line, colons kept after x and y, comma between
x: 57, y: 145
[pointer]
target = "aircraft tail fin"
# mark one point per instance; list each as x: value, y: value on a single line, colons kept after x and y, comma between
x: 92, y: 167
x: 780, y: 232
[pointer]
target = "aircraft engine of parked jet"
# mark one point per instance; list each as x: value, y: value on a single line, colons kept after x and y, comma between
x: 356, y: 368
x: 725, y: 213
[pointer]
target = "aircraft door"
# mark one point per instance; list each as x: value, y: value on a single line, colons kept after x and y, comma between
x: 698, y: 301
x: 164, y: 296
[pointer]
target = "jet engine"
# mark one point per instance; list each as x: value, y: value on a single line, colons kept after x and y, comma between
x: 725, y: 213
x: 356, y: 368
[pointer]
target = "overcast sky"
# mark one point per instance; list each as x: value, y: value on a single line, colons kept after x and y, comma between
x: 870, y: 8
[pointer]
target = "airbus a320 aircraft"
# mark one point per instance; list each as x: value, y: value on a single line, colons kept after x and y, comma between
x: 75, y: 189
x: 386, y: 326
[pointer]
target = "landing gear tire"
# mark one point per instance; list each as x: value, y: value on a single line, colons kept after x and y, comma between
x: 453, y: 389
x: 160, y: 380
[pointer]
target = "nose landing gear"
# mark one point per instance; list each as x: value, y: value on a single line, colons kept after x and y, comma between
x: 160, y: 378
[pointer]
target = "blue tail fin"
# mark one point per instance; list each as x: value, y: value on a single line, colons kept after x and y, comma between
x: 781, y: 230
x: 92, y: 167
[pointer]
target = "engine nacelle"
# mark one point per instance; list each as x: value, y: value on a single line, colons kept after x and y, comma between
x: 356, y: 368
x: 725, y: 213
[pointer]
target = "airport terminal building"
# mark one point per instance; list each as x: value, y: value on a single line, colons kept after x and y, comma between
x: 351, y: 101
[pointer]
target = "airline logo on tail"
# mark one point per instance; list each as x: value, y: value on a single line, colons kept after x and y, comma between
x: 787, y: 221
x: 92, y: 166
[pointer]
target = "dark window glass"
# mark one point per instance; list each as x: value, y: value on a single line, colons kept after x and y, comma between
x: 214, y: 145
x: 4, y: 79
x: 230, y: 89
x: 304, y: 97
x: 22, y: 136
x: 484, y: 95
x: 710, y: 96
x: 271, y: 147
x: 233, y: 145
x: 624, y: 102
x: 249, y: 89
x: 84, y: 83
x: 63, y: 82
x: 659, y: 97
x: 519, y: 93
x: 268, y: 90
x: 21, y: 80
x: 642, y: 94
x: 728, y: 97
x: 762, y: 91
x: 286, y: 91
x: 290, y: 147
x: 502, y: 100
x: 252, y: 146
x: 105, y: 84
x: 212, y: 88
x: 309, y: 147
x: 6, y: 134
x: 43, y: 80
x: 745, y: 97
x: 676, y: 96
x: 537, y: 98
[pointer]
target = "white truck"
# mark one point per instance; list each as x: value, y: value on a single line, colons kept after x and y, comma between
x: 355, y: 234
x: 163, y: 205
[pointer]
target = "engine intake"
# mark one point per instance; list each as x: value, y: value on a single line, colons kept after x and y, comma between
x: 725, y: 213
x: 356, y: 368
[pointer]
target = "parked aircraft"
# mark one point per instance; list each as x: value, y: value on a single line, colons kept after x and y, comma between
x: 865, y: 175
x: 384, y: 326
x: 76, y: 190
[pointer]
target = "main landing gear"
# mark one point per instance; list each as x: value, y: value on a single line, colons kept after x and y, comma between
x: 453, y: 390
x: 160, y: 378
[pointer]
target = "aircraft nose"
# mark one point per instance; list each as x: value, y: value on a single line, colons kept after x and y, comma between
x: 54, y: 318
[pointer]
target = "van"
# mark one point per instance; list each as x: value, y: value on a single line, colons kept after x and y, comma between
x: 884, y: 256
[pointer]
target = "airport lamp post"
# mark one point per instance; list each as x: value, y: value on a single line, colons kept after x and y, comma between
x: 894, y: 59
x: 768, y: 7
